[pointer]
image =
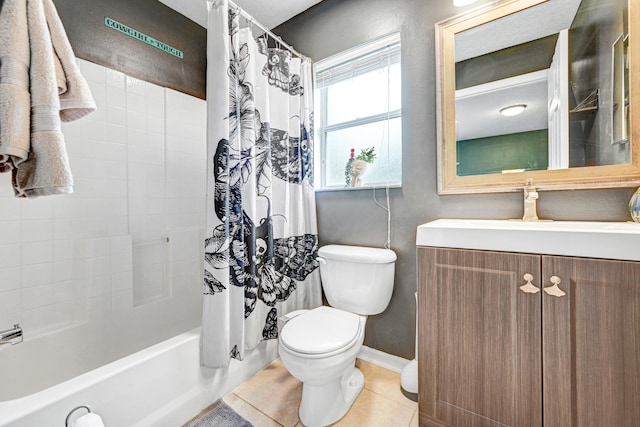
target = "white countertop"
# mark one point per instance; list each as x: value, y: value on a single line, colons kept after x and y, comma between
x: 609, y: 240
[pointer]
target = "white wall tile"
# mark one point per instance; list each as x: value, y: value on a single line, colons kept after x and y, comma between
x: 11, y: 233
x: 33, y: 209
x: 92, y: 72
x: 116, y: 134
x: 118, y: 206
x: 10, y: 302
x: 36, y: 231
x: 154, y: 206
x: 136, y: 86
x: 121, y: 301
x: 116, y: 97
x: 95, y: 227
x: 115, y: 79
x: 116, y: 115
x: 67, y: 229
x: 93, y: 208
x: 37, y: 274
x: 10, y: 279
x: 10, y: 205
x: 136, y: 103
x: 137, y: 163
x: 100, y: 266
x: 67, y: 207
x: 37, y: 296
x: 122, y: 281
x: 154, y: 92
x: 37, y: 252
x: 117, y: 189
x: 40, y: 318
x: 93, y: 128
x: 62, y: 250
x: 120, y: 244
x: 10, y: 256
x: 156, y: 124
x: 64, y: 291
x: 121, y: 262
x: 118, y: 225
x: 63, y: 270
x: 100, y: 285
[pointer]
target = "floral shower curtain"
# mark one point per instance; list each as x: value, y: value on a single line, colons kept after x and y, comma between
x: 261, y: 236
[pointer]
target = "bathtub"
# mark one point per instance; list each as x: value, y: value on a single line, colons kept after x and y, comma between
x: 160, y: 386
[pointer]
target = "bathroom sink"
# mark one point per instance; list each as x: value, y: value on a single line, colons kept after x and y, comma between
x: 611, y: 240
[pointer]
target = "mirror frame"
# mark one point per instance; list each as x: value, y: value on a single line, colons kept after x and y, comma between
x: 626, y: 175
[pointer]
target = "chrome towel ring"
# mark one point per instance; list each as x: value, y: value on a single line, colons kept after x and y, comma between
x: 66, y: 421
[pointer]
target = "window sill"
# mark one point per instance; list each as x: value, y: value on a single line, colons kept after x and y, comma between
x: 368, y: 187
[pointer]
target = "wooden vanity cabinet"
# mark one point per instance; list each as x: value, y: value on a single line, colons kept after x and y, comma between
x: 492, y: 354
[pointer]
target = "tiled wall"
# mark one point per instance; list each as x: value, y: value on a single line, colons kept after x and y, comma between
x: 127, y: 243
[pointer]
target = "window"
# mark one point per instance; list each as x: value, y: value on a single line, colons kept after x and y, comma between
x: 358, y: 107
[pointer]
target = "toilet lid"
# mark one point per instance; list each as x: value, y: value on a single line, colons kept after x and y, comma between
x: 321, y: 330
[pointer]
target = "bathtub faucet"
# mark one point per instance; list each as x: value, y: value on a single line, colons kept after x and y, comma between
x: 11, y: 336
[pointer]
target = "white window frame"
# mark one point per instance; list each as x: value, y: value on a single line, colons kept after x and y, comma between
x: 322, y: 129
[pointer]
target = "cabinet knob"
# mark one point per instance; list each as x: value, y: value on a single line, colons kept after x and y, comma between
x: 555, y: 289
x: 529, y: 287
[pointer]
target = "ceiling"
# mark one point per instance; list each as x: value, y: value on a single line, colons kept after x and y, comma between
x: 477, y: 107
x: 548, y: 18
x: 269, y: 13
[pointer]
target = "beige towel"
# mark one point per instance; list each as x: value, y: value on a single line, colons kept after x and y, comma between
x: 76, y: 100
x: 14, y: 84
x: 46, y: 171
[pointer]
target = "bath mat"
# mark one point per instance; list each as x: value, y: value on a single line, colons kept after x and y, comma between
x: 218, y: 414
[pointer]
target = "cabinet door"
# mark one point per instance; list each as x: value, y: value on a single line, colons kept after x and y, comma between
x: 591, y: 344
x: 479, y: 339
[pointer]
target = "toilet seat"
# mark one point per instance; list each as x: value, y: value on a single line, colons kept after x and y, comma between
x: 320, y: 331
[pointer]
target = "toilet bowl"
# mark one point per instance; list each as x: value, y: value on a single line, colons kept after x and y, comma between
x: 319, y: 346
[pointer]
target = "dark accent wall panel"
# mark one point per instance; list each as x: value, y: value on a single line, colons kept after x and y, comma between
x: 92, y: 40
x: 509, y: 62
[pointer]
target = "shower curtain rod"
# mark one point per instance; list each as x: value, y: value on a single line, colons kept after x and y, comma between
x: 266, y: 30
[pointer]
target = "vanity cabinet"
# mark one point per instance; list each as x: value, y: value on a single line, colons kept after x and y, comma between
x: 501, y: 345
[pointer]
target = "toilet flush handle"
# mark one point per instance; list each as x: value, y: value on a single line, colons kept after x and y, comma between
x: 321, y: 260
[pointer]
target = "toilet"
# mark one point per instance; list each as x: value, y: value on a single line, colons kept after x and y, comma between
x: 319, y: 346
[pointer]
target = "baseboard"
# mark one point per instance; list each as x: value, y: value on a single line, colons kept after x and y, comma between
x: 380, y: 358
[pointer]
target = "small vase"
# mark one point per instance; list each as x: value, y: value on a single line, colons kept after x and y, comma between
x: 358, y: 168
x: 634, y: 206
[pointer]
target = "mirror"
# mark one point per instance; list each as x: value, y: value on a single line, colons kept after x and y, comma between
x: 566, y: 65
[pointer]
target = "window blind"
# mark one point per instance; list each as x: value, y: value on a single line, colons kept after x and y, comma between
x: 350, y: 67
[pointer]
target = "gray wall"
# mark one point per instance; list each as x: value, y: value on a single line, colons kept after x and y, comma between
x: 351, y: 217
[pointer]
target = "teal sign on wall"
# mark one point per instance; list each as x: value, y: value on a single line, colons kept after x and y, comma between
x: 124, y: 29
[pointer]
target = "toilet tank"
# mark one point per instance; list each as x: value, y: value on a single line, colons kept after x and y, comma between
x: 357, y: 279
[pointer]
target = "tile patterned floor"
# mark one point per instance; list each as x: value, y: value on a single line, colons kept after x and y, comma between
x: 271, y: 399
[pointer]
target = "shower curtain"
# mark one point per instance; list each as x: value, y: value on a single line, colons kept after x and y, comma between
x: 261, y: 236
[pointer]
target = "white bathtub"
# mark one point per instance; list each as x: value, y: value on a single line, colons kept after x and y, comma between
x: 161, y: 386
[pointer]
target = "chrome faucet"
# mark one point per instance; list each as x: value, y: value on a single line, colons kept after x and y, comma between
x: 11, y: 336
x: 530, y: 198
